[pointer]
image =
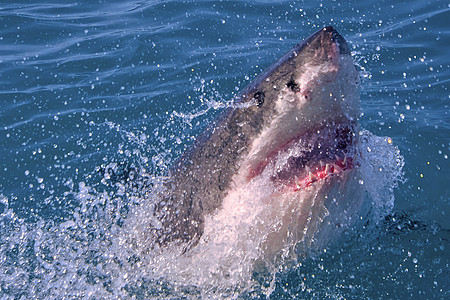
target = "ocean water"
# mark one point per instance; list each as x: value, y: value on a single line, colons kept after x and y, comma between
x: 91, y: 85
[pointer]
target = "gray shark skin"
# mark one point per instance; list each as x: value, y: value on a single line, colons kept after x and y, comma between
x: 310, y: 96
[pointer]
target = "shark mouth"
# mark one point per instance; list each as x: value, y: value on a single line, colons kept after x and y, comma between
x: 323, y: 172
x: 314, y: 157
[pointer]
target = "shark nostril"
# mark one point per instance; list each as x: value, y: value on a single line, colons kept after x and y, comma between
x: 293, y: 86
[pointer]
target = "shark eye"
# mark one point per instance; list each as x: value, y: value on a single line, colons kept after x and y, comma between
x: 293, y: 85
x: 259, y: 97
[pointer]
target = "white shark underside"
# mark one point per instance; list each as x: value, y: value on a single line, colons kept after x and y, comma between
x: 277, y: 168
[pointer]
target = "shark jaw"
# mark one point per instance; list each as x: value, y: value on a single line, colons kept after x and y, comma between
x: 327, y: 152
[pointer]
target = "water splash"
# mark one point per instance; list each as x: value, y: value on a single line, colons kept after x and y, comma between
x: 382, y: 167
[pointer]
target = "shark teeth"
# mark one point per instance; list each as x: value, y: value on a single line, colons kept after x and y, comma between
x: 322, y: 172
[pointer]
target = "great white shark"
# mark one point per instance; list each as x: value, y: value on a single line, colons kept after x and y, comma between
x: 280, y: 159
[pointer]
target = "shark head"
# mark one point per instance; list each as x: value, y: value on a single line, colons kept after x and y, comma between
x: 308, y: 105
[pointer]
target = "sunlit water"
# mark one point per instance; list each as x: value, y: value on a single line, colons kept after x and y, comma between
x: 88, y: 86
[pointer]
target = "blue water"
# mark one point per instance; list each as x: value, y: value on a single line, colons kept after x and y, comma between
x: 87, y: 84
